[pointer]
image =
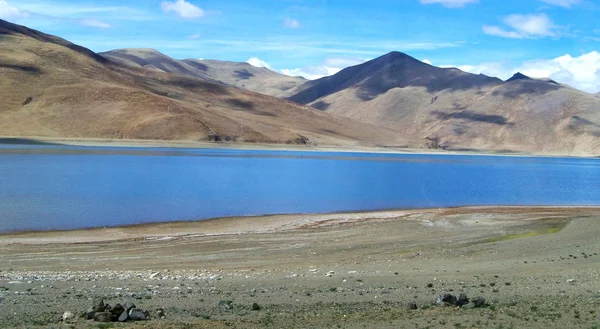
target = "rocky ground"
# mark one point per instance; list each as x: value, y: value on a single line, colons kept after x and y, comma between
x: 535, y: 268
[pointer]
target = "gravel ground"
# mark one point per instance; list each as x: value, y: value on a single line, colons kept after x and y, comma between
x: 536, y: 268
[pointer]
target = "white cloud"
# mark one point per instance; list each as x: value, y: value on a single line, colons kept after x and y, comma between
x: 582, y: 72
x: 330, y: 66
x: 195, y: 36
x: 10, y: 13
x: 524, y: 26
x: 449, y: 3
x: 497, y: 31
x: 96, y: 23
x: 291, y: 23
x: 182, y: 8
x: 562, y: 3
x: 426, y: 61
x: 257, y: 62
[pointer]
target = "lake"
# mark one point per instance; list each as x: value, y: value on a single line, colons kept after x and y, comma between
x: 49, y: 187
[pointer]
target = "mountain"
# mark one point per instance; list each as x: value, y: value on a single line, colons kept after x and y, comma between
x: 240, y: 75
x: 456, y: 110
x: 51, y: 87
x: 394, y: 70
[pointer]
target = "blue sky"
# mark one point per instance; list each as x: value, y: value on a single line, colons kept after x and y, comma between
x: 544, y: 38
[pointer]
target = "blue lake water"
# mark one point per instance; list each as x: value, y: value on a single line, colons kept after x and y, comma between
x: 56, y: 187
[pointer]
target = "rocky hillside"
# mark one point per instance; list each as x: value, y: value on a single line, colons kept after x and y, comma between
x: 240, y: 75
x: 51, y: 87
x: 456, y: 110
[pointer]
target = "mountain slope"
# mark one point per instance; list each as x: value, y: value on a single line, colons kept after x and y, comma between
x: 50, y: 87
x: 394, y: 70
x: 240, y: 75
x: 461, y: 111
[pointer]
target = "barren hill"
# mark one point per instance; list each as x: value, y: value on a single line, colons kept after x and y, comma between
x: 51, y: 87
x: 461, y: 111
x: 240, y: 75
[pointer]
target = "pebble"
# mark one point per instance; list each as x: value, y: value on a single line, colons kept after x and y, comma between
x: 67, y: 316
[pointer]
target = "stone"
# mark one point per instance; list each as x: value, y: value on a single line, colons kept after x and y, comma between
x: 412, y: 305
x: 128, y: 306
x: 103, y: 317
x: 160, y: 313
x: 123, y: 317
x: 117, y: 310
x: 225, y: 305
x: 256, y: 307
x: 136, y: 314
x: 98, y: 305
x: 89, y: 314
x: 462, y: 299
x: 446, y: 299
x: 68, y: 316
x: 479, y: 302
x: 154, y: 275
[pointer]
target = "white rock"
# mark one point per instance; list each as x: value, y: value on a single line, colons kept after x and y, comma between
x: 154, y: 275
x: 68, y: 316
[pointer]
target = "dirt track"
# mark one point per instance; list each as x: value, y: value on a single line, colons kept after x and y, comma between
x: 535, y: 267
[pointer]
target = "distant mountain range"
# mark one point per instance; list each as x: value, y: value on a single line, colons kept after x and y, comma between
x: 50, y: 87
x: 240, y: 75
x: 458, y: 110
x: 54, y: 88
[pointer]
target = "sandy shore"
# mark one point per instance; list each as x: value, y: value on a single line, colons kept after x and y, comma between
x: 101, y: 142
x: 536, y: 267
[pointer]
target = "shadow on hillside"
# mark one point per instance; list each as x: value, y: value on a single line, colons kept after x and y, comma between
x: 243, y: 74
x: 24, y: 68
x: 246, y: 106
x: 473, y: 117
x: 516, y: 89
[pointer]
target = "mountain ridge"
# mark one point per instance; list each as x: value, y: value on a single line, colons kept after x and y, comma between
x: 461, y: 111
x: 236, y: 74
x: 393, y: 70
x: 50, y: 87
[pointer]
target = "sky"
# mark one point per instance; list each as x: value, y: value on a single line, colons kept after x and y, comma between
x: 559, y: 39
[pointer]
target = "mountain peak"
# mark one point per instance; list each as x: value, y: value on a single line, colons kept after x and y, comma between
x: 519, y: 76
x: 15, y: 29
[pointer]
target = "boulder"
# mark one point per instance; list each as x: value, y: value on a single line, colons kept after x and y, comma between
x: 98, y: 305
x: 103, y: 317
x: 136, y: 314
x: 225, y: 305
x: 446, y: 299
x: 128, y: 306
x: 123, y: 317
x: 462, y: 299
x: 89, y: 314
x: 479, y: 302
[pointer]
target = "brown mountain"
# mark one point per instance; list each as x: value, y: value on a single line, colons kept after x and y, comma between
x: 240, y: 75
x: 51, y: 87
x: 461, y: 111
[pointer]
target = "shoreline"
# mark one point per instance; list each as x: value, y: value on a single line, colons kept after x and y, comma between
x: 534, y: 266
x: 263, y: 224
x: 183, y: 144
